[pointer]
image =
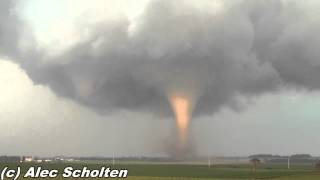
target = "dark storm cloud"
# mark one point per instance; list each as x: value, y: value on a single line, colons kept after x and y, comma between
x: 248, y: 48
x: 9, y: 27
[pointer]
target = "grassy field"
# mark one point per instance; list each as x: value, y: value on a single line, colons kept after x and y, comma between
x: 193, y: 172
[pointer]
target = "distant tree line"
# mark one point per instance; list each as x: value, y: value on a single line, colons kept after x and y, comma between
x: 270, y: 156
x: 6, y: 159
x: 296, y: 158
x: 143, y: 158
x: 278, y: 158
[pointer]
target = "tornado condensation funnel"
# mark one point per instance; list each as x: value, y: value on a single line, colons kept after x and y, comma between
x: 182, y: 107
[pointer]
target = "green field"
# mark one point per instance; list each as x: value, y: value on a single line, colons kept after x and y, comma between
x: 192, y: 172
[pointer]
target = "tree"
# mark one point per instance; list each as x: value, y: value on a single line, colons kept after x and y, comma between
x: 301, y: 156
x: 317, y: 165
x: 255, y: 162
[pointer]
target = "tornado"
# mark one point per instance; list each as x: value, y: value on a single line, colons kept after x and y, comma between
x: 182, y: 108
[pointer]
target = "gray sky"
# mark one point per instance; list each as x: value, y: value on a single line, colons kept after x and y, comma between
x: 92, y: 78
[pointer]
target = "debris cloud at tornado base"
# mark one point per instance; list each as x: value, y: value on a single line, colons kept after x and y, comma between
x: 182, y: 58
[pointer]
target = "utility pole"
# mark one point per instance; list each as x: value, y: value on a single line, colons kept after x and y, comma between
x: 208, y: 154
x: 113, y: 159
x: 288, y: 162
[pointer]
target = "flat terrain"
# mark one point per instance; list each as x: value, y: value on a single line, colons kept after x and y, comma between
x: 192, y: 172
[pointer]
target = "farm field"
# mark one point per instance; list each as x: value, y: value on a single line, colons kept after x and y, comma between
x: 192, y: 172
